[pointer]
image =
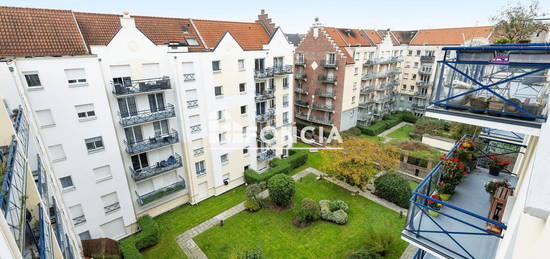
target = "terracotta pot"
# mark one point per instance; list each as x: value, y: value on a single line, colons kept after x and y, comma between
x: 532, y: 108
x: 510, y: 108
x: 496, y: 105
x: 478, y: 103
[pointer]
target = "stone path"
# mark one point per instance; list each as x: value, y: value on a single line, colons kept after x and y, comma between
x: 388, y: 131
x: 193, y: 251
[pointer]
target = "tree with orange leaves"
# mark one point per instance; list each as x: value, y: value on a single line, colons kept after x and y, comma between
x: 359, y: 160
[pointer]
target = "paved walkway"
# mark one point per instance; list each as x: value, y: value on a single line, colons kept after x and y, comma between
x: 193, y: 251
x: 388, y: 131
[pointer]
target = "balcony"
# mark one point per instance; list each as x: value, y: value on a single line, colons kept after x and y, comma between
x: 329, y: 64
x: 263, y: 73
x: 382, y: 100
x: 300, y: 62
x: 383, y: 61
x: 143, y: 86
x: 282, y: 70
x: 79, y: 220
x: 367, y: 89
x: 421, y: 95
x: 133, y: 148
x: 461, y: 228
x: 489, y: 133
x: 189, y: 77
x: 300, y: 76
x: 45, y: 238
x: 392, y: 72
x: 301, y: 90
x: 326, y: 94
x: 139, y: 117
x: 326, y: 79
x: 42, y: 182
x: 320, y: 120
x: 366, y: 103
x: 264, y: 95
x: 301, y: 103
x: 424, y: 84
x: 302, y: 116
x: 266, y: 116
x: 425, y: 71
x: 169, y: 164
x: 427, y: 59
x: 191, y: 104
x: 502, y: 92
x: 266, y: 155
x: 149, y: 197
x: 324, y: 107
x: 369, y: 76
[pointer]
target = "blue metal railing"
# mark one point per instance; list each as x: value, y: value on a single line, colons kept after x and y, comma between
x: 152, y: 143
x: 171, y: 163
x: 21, y: 127
x: 419, y: 254
x: 159, y: 193
x: 58, y: 226
x: 138, y: 117
x: 42, y: 182
x: 46, y: 245
x: 419, y: 208
x: 141, y: 86
x: 502, y: 134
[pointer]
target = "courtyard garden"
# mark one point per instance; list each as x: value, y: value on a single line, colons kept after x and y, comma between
x: 401, y: 133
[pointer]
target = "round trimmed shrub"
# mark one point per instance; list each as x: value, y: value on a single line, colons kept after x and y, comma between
x: 338, y: 205
x: 252, y: 205
x: 340, y: 217
x: 364, y: 254
x: 334, y: 211
x: 308, y: 211
x: 281, y: 189
x: 394, y: 188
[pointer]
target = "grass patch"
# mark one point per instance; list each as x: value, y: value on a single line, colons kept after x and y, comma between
x: 274, y: 233
x: 401, y: 133
x: 314, y: 160
x: 373, y: 138
x: 413, y: 185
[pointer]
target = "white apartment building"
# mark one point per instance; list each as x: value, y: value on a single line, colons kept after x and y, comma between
x: 140, y: 115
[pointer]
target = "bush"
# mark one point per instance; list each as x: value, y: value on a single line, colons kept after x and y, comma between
x: 340, y: 217
x: 338, y: 205
x: 253, y: 190
x: 379, y: 240
x: 364, y: 254
x: 281, y: 189
x: 252, y: 254
x: 251, y: 176
x: 252, y: 205
x: 374, y: 129
x: 409, y: 117
x: 355, y: 131
x: 334, y: 211
x: 147, y: 237
x: 308, y: 211
x: 297, y: 160
x: 394, y: 188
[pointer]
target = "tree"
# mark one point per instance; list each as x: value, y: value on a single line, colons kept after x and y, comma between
x: 281, y: 189
x: 359, y: 160
x: 516, y: 23
x: 458, y: 130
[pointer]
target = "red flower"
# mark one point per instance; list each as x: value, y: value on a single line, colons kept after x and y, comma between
x: 461, y: 165
x: 507, y: 162
x: 494, y: 157
x: 465, y: 173
x: 487, y: 159
x: 441, y: 184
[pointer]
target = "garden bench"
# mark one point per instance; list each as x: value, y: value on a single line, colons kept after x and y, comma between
x: 498, y: 204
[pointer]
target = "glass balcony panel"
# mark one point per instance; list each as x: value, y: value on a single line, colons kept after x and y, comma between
x: 129, y: 119
x: 142, y: 86
x: 162, y: 192
x: 265, y: 73
x: 152, y: 143
x: 171, y: 163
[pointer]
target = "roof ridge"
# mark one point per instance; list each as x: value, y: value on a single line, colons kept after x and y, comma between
x: 34, y: 8
x: 449, y: 28
x: 223, y: 21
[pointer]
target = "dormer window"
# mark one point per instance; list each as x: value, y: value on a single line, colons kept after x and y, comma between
x: 192, y: 41
x: 184, y: 29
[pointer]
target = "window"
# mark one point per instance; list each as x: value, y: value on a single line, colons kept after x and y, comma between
x: 352, y: 99
x: 102, y: 173
x: 218, y: 91
x: 241, y: 64
x: 216, y: 66
x: 85, y: 111
x: 244, y: 132
x: 85, y: 235
x: 224, y: 159
x: 76, y: 77
x: 412, y: 87
x: 57, y: 153
x: 156, y: 102
x: 199, y: 168
x: 45, y: 118
x: 331, y: 59
x: 286, y: 100
x: 94, y: 144
x: 259, y: 65
x: 245, y: 151
x: 404, y: 87
x: 242, y: 88
x: 414, y: 77
x: 410, y: 53
x: 110, y: 202
x: 415, y: 64
x: 410, y: 99
x: 161, y: 128
x: 418, y: 52
x: 243, y: 109
x: 192, y: 41
x: 356, y: 71
x: 219, y: 115
x: 285, y: 82
x: 221, y: 138
x: 139, y: 161
x: 285, y: 118
x: 66, y: 182
x: 32, y: 78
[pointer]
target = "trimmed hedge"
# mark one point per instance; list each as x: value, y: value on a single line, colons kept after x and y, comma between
x: 388, y: 122
x: 147, y: 237
x: 280, y: 166
x: 394, y: 188
x: 297, y: 160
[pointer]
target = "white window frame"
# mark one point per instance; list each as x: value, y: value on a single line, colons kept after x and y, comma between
x: 30, y: 73
x: 242, y: 65
x: 88, y: 115
x: 95, y: 141
x: 77, y: 81
x: 226, y: 160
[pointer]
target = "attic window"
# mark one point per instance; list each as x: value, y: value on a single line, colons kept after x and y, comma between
x: 192, y: 41
x: 184, y: 29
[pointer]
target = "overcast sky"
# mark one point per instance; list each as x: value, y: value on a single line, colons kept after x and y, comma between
x: 298, y: 15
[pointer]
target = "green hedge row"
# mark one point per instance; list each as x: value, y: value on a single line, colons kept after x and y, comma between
x: 148, y: 236
x: 388, y: 122
x: 280, y: 166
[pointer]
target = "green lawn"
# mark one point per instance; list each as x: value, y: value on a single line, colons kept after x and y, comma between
x: 401, y: 133
x: 373, y: 138
x: 314, y: 159
x: 413, y: 185
x: 186, y: 217
x: 274, y: 233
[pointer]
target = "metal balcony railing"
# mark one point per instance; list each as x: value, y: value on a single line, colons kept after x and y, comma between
x: 320, y: 120
x: 422, y: 95
x: 323, y: 107
x: 300, y: 62
x: 263, y: 73
x: 327, y: 79
x: 427, y: 59
x: 301, y: 90
x: 266, y: 116
x: 192, y: 104
x: 326, y: 94
x: 425, y: 71
x: 139, y: 117
x: 459, y: 228
x: 59, y: 231
x: 46, y: 242
x: 152, y: 143
x: 366, y: 103
x: 512, y: 88
x: 79, y: 220
x: 195, y: 128
x: 266, y: 155
x: 189, y: 77
x: 301, y: 103
x: 329, y: 63
x: 282, y: 70
x: 198, y: 151
x: 382, y: 100
x: 171, y: 163
x: 503, y: 135
x: 264, y: 95
x: 300, y: 76
x: 367, y: 89
x: 392, y: 72
x: 42, y: 182
x: 111, y: 208
x: 159, y: 193
x: 141, y: 86
x: 423, y: 83
x: 301, y: 116
x: 370, y: 76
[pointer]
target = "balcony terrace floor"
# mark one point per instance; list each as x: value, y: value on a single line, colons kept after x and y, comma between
x: 470, y: 195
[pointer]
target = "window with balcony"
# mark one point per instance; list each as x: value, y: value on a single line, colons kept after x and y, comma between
x: 300, y: 57
x: 32, y: 79
x: 200, y: 170
x: 85, y: 111
x: 192, y: 98
x: 218, y: 91
x: 216, y: 67
x: 259, y: 65
x: 161, y: 127
x: 78, y: 214
x: 76, y: 77
x: 192, y: 41
x: 188, y: 71
x: 110, y: 203
x: 102, y: 173
x: 57, y: 153
x: 94, y: 144
x: 45, y: 118
x: 66, y: 182
x: 242, y: 88
x: 224, y: 159
x: 195, y: 123
x: 241, y: 64
x: 278, y: 62
x: 198, y: 148
x: 139, y: 161
x: 156, y: 102
x: 133, y: 134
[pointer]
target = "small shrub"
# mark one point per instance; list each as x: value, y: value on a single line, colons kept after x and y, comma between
x: 379, y: 240
x: 340, y: 217
x: 252, y: 205
x: 252, y: 254
x: 338, y: 205
x: 147, y: 237
x: 364, y: 254
x: 253, y: 190
x: 297, y: 160
x: 308, y: 211
x: 394, y: 188
x: 334, y: 211
x: 355, y: 131
x: 281, y: 189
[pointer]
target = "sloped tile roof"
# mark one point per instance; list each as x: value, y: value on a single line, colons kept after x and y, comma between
x: 98, y: 29
x: 347, y: 38
x: 39, y: 32
x: 450, y: 36
x: 373, y: 36
x: 161, y: 30
x: 404, y: 37
x: 250, y: 36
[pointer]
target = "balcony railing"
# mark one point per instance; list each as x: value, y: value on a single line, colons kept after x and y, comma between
x: 427, y: 59
x: 263, y: 73
x: 326, y: 94
x: 367, y: 90
x: 79, y: 220
x: 171, y: 163
x: 159, y: 193
x: 266, y: 116
x: 152, y: 143
x: 301, y: 103
x: 46, y: 242
x: 320, y: 120
x: 192, y: 104
x: 111, y: 208
x: 383, y: 61
x: 301, y: 90
x: 198, y: 151
x: 266, y: 155
x: 323, y: 107
x: 300, y: 62
x: 189, y: 77
x: 423, y: 83
x: 329, y: 64
x: 282, y: 70
x: 42, y: 183
x: 425, y: 71
x: 264, y: 95
x: 300, y: 76
x: 511, y: 89
x: 326, y: 79
x: 141, y: 86
x: 366, y: 103
x: 382, y: 100
x: 301, y: 116
x: 138, y: 117
x: 503, y: 135
x: 458, y: 228
x: 195, y: 128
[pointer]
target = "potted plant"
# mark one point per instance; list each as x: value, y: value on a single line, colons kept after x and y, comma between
x: 496, y: 164
x: 445, y: 190
x: 434, y: 205
x: 492, y: 186
x: 454, y: 169
x: 496, y: 104
x: 511, y: 108
x: 466, y: 153
x: 479, y: 103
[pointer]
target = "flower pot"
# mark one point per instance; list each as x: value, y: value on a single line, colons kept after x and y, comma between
x: 433, y: 213
x: 494, y: 171
x: 496, y: 105
x: 533, y: 108
x: 445, y: 197
x: 478, y: 103
x: 510, y: 108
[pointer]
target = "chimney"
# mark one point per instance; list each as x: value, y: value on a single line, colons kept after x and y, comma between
x: 126, y: 20
x: 265, y: 21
